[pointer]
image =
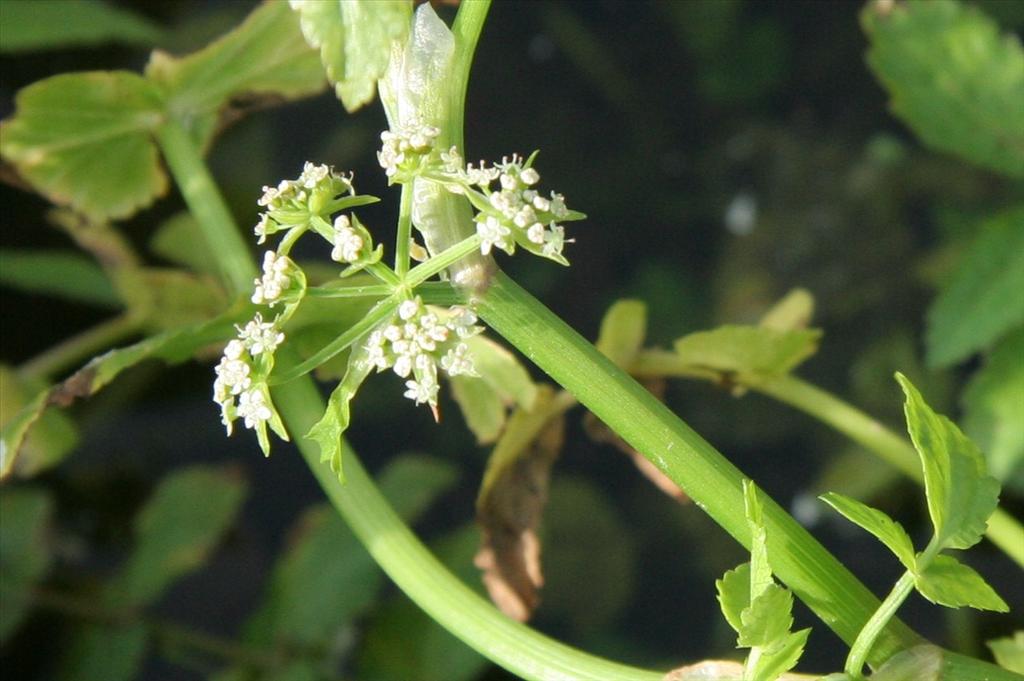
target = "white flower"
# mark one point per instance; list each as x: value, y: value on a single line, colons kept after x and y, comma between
x: 259, y: 337
x: 232, y: 378
x: 529, y: 176
x: 540, y: 203
x: 557, y: 206
x: 421, y: 391
x: 403, y: 364
x: 375, y: 354
x: 524, y: 216
x: 536, y: 233
x: 462, y: 321
x: 312, y: 175
x: 252, y: 406
x: 263, y: 228
x: 457, y: 361
x: 347, y: 242
x: 493, y: 235
x: 554, y: 240
x: 409, y: 309
x: 275, y: 278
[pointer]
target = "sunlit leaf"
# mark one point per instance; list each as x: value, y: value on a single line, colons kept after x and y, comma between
x: 623, y: 330
x: 503, y: 382
x: 961, y: 496
x: 749, y: 352
x: 264, y: 59
x: 1009, y: 651
x: 953, y: 78
x: 83, y: 140
x: 52, y: 24
x: 734, y: 594
x: 768, y: 618
x: 62, y: 274
x: 182, y: 521
x: 484, y: 410
x: 25, y: 553
x: 794, y: 311
x: 983, y: 301
x: 53, y: 436
x: 884, y: 528
x: 355, y: 38
x: 760, y: 568
x: 774, y: 662
x: 992, y: 410
x: 949, y: 582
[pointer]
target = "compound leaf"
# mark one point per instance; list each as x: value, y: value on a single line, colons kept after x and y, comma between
x: 884, y: 528
x: 332, y: 425
x: 949, y: 582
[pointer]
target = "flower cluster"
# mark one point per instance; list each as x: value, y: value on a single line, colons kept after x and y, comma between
x: 418, y: 341
x: 282, y: 280
x: 353, y: 245
x: 292, y: 203
x: 406, y: 150
x: 241, y: 387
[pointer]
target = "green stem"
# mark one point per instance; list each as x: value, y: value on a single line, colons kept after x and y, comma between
x: 368, y: 291
x: 71, y: 352
x: 424, y: 579
x: 404, y: 237
x: 442, y: 261
x: 865, y: 642
x: 206, y: 204
x: 468, y: 24
x: 715, y: 485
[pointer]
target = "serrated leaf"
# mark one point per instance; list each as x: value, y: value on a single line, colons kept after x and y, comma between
x: 992, y: 410
x: 1009, y: 651
x: 25, y: 553
x: 53, y: 436
x: 748, y: 352
x: 961, y: 496
x: 264, y: 57
x: 768, y: 618
x: 354, y: 38
x: 794, y: 311
x: 623, y: 330
x: 52, y: 24
x: 104, y: 653
x: 920, y: 663
x: 947, y: 581
x: 179, y: 240
x: 953, y: 78
x: 328, y: 430
x: 983, y: 300
x: 884, y: 528
x: 182, y: 521
x: 83, y: 140
x: 171, y: 346
x: 734, y: 595
x: 62, y: 274
x: 773, y: 663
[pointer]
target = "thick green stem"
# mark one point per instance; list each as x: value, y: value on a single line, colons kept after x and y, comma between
x: 208, y: 207
x: 404, y: 237
x: 714, y: 484
x: 426, y: 581
x: 467, y: 27
x: 873, y: 628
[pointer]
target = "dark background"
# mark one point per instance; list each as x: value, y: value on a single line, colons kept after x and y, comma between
x: 653, y: 118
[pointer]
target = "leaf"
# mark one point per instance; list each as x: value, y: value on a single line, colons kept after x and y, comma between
x: 992, y: 410
x: 25, y: 552
x: 83, y: 140
x: 265, y: 57
x: 179, y: 240
x: 772, y: 664
x: 510, y: 505
x: 354, y: 38
x: 794, y: 311
x: 734, y: 595
x: 947, y: 581
x: 953, y: 78
x: 961, y: 496
x: 983, y: 301
x: 104, y: 653
x: 182, y: 521
x: 171, y: 346
x: 748, y: 353
x: 326, y: 578
x: 623, y: 330
x: 760, y: 569
x: 54, y: 434
x: 767, y: 619
x: 884, y: 528
x: 1009, y: 651
x: 481, y: 406
x: 428, y: 652
x: 920, y: 663
x: 62, y: 274
x: 332, y: 425
x: 52, y: 24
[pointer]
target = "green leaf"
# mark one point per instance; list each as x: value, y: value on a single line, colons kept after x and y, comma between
x: 920, y: 663
x: 185, y: 517
x: 983, y: 301
x: 750, y: 353
x: 264, y: 57
x: 773, y: 663
x: 734, y: 595
x: 503, y: 382
x: 953, y: 78
x: 83, y: 140
x: 992, y: 410
x: 25, y: 554
x: 179, y: 240
x: 961, y: 496
x: 51, y: 24
x: 794, y: 311
x: 171, y: 346
x: 947, y: 581
x: 355, y: 38
x: 1009, y: 651
x: 332, y: 425
x: 484, y: 410
x: 884, y: 528
x: 760, y: 569
x: 767, y: 619
x: 53, y: 436
x: 104, y: 653
x: 62, y: 274
x: 326, y: 578
x: 623, y: 330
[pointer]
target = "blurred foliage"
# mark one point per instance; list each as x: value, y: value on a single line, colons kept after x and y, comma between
x: 726, y: 151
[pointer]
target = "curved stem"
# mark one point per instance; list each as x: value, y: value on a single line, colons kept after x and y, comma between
x: 886, y: 611
x: 70, y: 352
